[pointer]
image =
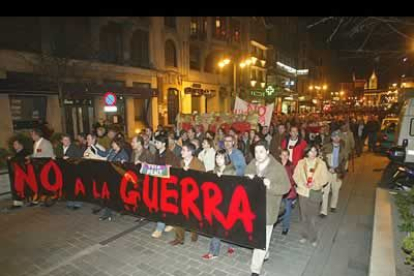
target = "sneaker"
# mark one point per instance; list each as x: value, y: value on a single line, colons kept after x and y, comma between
x: 314, y: 244
x: 333, y: 210
x: 209, y: 256
x: 322, y: 215
x: 168, y: 228
x: 156, y: 234
x: 302, y: 240
x: 105, y: 217
x: 231, y: 250
x: 284, y: 232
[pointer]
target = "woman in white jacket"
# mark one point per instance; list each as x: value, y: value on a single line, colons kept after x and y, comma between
x: 207, y: 155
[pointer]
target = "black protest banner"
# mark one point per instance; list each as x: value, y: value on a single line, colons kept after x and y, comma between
x: 228, y: 207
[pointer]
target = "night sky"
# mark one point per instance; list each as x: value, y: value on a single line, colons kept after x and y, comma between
x: 384, y: 43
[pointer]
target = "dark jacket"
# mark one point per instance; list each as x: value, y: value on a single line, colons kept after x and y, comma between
x: 276, y: 144
x: 327, y: 150
x: 73, y: 152
x: 22, y: 154
x: 166, y: 158
x: 144, y: 157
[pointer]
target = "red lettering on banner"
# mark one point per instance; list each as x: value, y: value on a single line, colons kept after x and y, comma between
x: 188, y: 196
x: 151, y: 203
x: 262, y: 110
x: 212, y: 199
x: 44, y: 177
x: 96, y: 193
x: 79, y: 187
x: 240, y: 210
x: 132, y: 197
x: 166, y: 206
x: 105, y: 191
x: 20, y: 178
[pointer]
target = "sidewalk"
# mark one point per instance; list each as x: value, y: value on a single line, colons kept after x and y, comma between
x: 57, y: 241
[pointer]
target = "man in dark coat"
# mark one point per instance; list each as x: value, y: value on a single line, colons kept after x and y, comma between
x: 20, y: 154
x: 70, y: 150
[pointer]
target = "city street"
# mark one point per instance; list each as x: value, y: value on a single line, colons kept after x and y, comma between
x: 57, y: 241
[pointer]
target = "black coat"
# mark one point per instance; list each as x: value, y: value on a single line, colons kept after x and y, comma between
x: 73, y: 152
x: 22, y: 154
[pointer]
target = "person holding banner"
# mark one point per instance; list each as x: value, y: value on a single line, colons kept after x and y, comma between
x: 70, y: 150
x: 94, y: 150
x: 139, y: 153
x: 277, y: 183
x: 41, y: 148
x: 116, y: 154
x: 189, y: 162
x: 163, y: 157
x: 20, y: 154
x: 207, y: 154
x: 223, y: 166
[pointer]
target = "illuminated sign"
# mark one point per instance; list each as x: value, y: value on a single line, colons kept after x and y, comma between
x: 257, y: 93
x: 110, y: 108
x: 110, y: 99
x: 287, y: 68
x: 270, y: 90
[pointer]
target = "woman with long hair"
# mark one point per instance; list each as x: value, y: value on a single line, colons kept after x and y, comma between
x: 310, y: 175
x: 207, y: 155
x: 223, y: 166
x: 117, y: 153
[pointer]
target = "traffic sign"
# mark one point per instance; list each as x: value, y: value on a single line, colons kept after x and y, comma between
x: 110, y: 99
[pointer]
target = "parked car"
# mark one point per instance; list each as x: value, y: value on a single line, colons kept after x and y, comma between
x: 387, y: 135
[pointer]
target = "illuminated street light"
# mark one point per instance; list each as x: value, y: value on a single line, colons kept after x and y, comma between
x: 324, y: 87
x: 342, y: 93
x: 221, y: 64
x: 226, y: 61
x: 311, y: 87
x: 394, y: 84
x: 253, y: 83
x: 242, y: 64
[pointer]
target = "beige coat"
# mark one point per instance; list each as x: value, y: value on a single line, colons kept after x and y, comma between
x: 279, y: 185
x: 321, y: 176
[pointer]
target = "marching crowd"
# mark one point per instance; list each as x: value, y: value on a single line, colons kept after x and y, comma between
x: 302, y: 162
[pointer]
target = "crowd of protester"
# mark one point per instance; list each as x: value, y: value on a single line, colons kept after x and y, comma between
x: 302, y: 161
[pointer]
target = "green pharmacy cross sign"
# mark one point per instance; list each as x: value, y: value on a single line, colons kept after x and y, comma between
x: 270, y: 90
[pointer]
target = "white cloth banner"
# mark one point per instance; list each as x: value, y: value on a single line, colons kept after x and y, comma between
x: 265, y: 112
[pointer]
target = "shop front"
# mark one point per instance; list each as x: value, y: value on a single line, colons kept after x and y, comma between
x: 132, y: 109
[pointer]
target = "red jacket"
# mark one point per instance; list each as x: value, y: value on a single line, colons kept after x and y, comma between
x: 289, y: 170
x: 298, y: 149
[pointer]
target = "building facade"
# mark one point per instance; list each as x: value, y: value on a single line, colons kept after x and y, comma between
x: 156, y: 66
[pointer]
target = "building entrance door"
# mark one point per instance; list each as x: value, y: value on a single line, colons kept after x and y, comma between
x: 173, y: 105
x: 79, y: 117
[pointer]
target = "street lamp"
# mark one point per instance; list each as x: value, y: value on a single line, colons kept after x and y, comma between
x: 242, y: 64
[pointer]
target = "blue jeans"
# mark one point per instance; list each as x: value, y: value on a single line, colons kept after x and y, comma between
x: 77, y: 204
x: 160, y: 226
x: 288, y: 211
x: 215, y: 244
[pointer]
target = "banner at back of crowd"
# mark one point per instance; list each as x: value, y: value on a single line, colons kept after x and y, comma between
x: 228, y: 207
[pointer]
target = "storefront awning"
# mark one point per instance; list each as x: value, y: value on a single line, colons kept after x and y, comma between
x: 81, y: 90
